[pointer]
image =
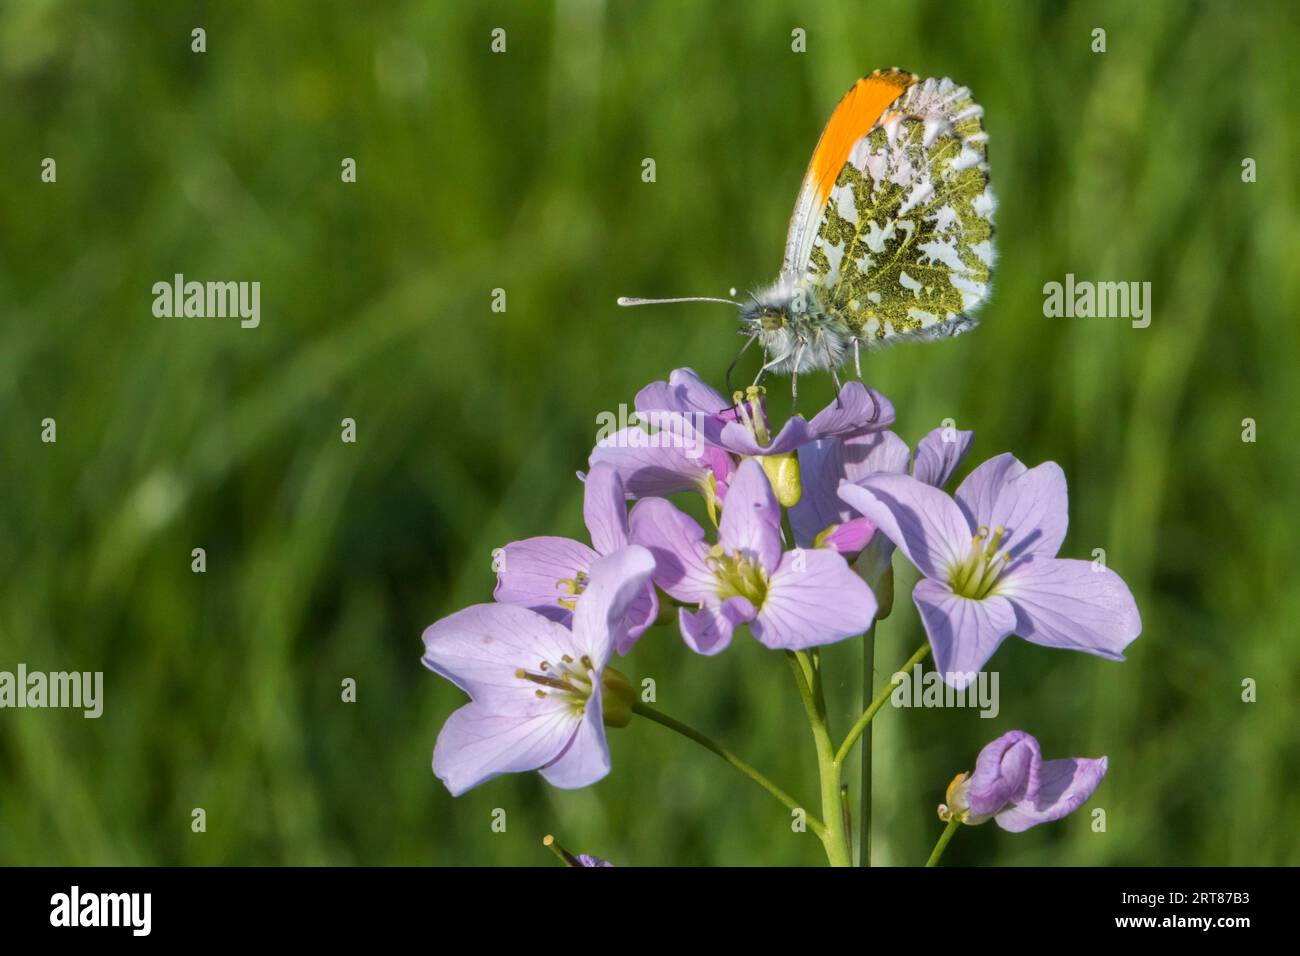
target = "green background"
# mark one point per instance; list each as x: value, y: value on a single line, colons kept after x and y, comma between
x: 522, y: 171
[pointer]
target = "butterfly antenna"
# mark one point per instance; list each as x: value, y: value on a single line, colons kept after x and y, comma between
x: 632, y: 300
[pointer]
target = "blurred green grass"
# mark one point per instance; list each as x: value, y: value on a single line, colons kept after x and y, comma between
x: 522, y: 171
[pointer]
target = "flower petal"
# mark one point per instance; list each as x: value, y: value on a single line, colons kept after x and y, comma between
x: 722, y: 465
x: 939, y: 453
x: 979, y: 491
x: 586, y: 759
x: 479, y: 648
x: 604, y: 508
x: 872, y: 454
x: 677, y: 543
x: 1061, y: 602
x: 650, y: 467
x: 685, y: 407
x: 617, y: 581
x: 813, y: 598
x: 963, y: 632
x: 821, y: 469
x: 825, y: 463
x: 483, y: 740
x: 532, y: 569
x: 640, y: 617
x: 924, y: 522
x: 1031, y: 504
x: 1063, y: 787
x: 852, y: 415
x: 739, y: 440
x: 684, y: 392
x: 851, y: 537
x: 858, y: 409
x: 1005, y: 771
x: 708, y: 630
x: 751, y: 518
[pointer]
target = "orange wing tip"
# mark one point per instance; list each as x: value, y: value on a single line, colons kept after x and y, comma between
x: 891, y: 74
x: 859, y: 110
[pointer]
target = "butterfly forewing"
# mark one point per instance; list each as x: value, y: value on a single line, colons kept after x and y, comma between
x: 854, y: 116
x: 904, y: 246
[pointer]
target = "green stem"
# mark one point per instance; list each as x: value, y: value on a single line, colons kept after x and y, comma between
x: 943, y: 842
x: 807, y: 675
x: 690, y: 733
x: 842, y: 754
x: 864, y: 798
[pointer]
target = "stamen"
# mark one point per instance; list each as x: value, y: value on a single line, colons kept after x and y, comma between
x: 545, y: 681
x: 569, y: 859
x: 573, y: 586
x: 736, y: 575
x: 976, y: 576
x: 759, y: 418
x: 743, y: 410
x: 989, y: 574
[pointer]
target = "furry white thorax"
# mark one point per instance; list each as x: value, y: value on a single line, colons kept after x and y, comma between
x: 796, y: 335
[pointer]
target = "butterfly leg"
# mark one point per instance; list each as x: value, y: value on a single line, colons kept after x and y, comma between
x: 767, y: 366
x: 734, y: 362
x: 835, y: 375
x: 875, y: 403
x: 794, y: 379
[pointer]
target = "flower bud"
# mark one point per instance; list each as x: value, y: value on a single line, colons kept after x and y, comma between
x: 958, y: 805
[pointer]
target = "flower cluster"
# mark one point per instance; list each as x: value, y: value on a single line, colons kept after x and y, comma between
x: 801, y: 524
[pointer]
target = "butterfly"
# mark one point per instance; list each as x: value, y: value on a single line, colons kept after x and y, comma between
x: 892, y: 233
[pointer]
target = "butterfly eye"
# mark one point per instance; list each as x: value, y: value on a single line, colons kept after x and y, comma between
x: 771, y: 319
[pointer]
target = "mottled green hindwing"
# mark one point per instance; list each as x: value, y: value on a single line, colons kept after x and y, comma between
x: 905, y: 244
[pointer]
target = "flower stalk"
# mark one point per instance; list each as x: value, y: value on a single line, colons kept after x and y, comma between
x: 864, y: 777
x: 708, y: 743
x: 873, y: 708
x: 944, y: 839
x: 806, y: 666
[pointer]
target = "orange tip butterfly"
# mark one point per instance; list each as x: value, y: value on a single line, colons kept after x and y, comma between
x: 892, y: 233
